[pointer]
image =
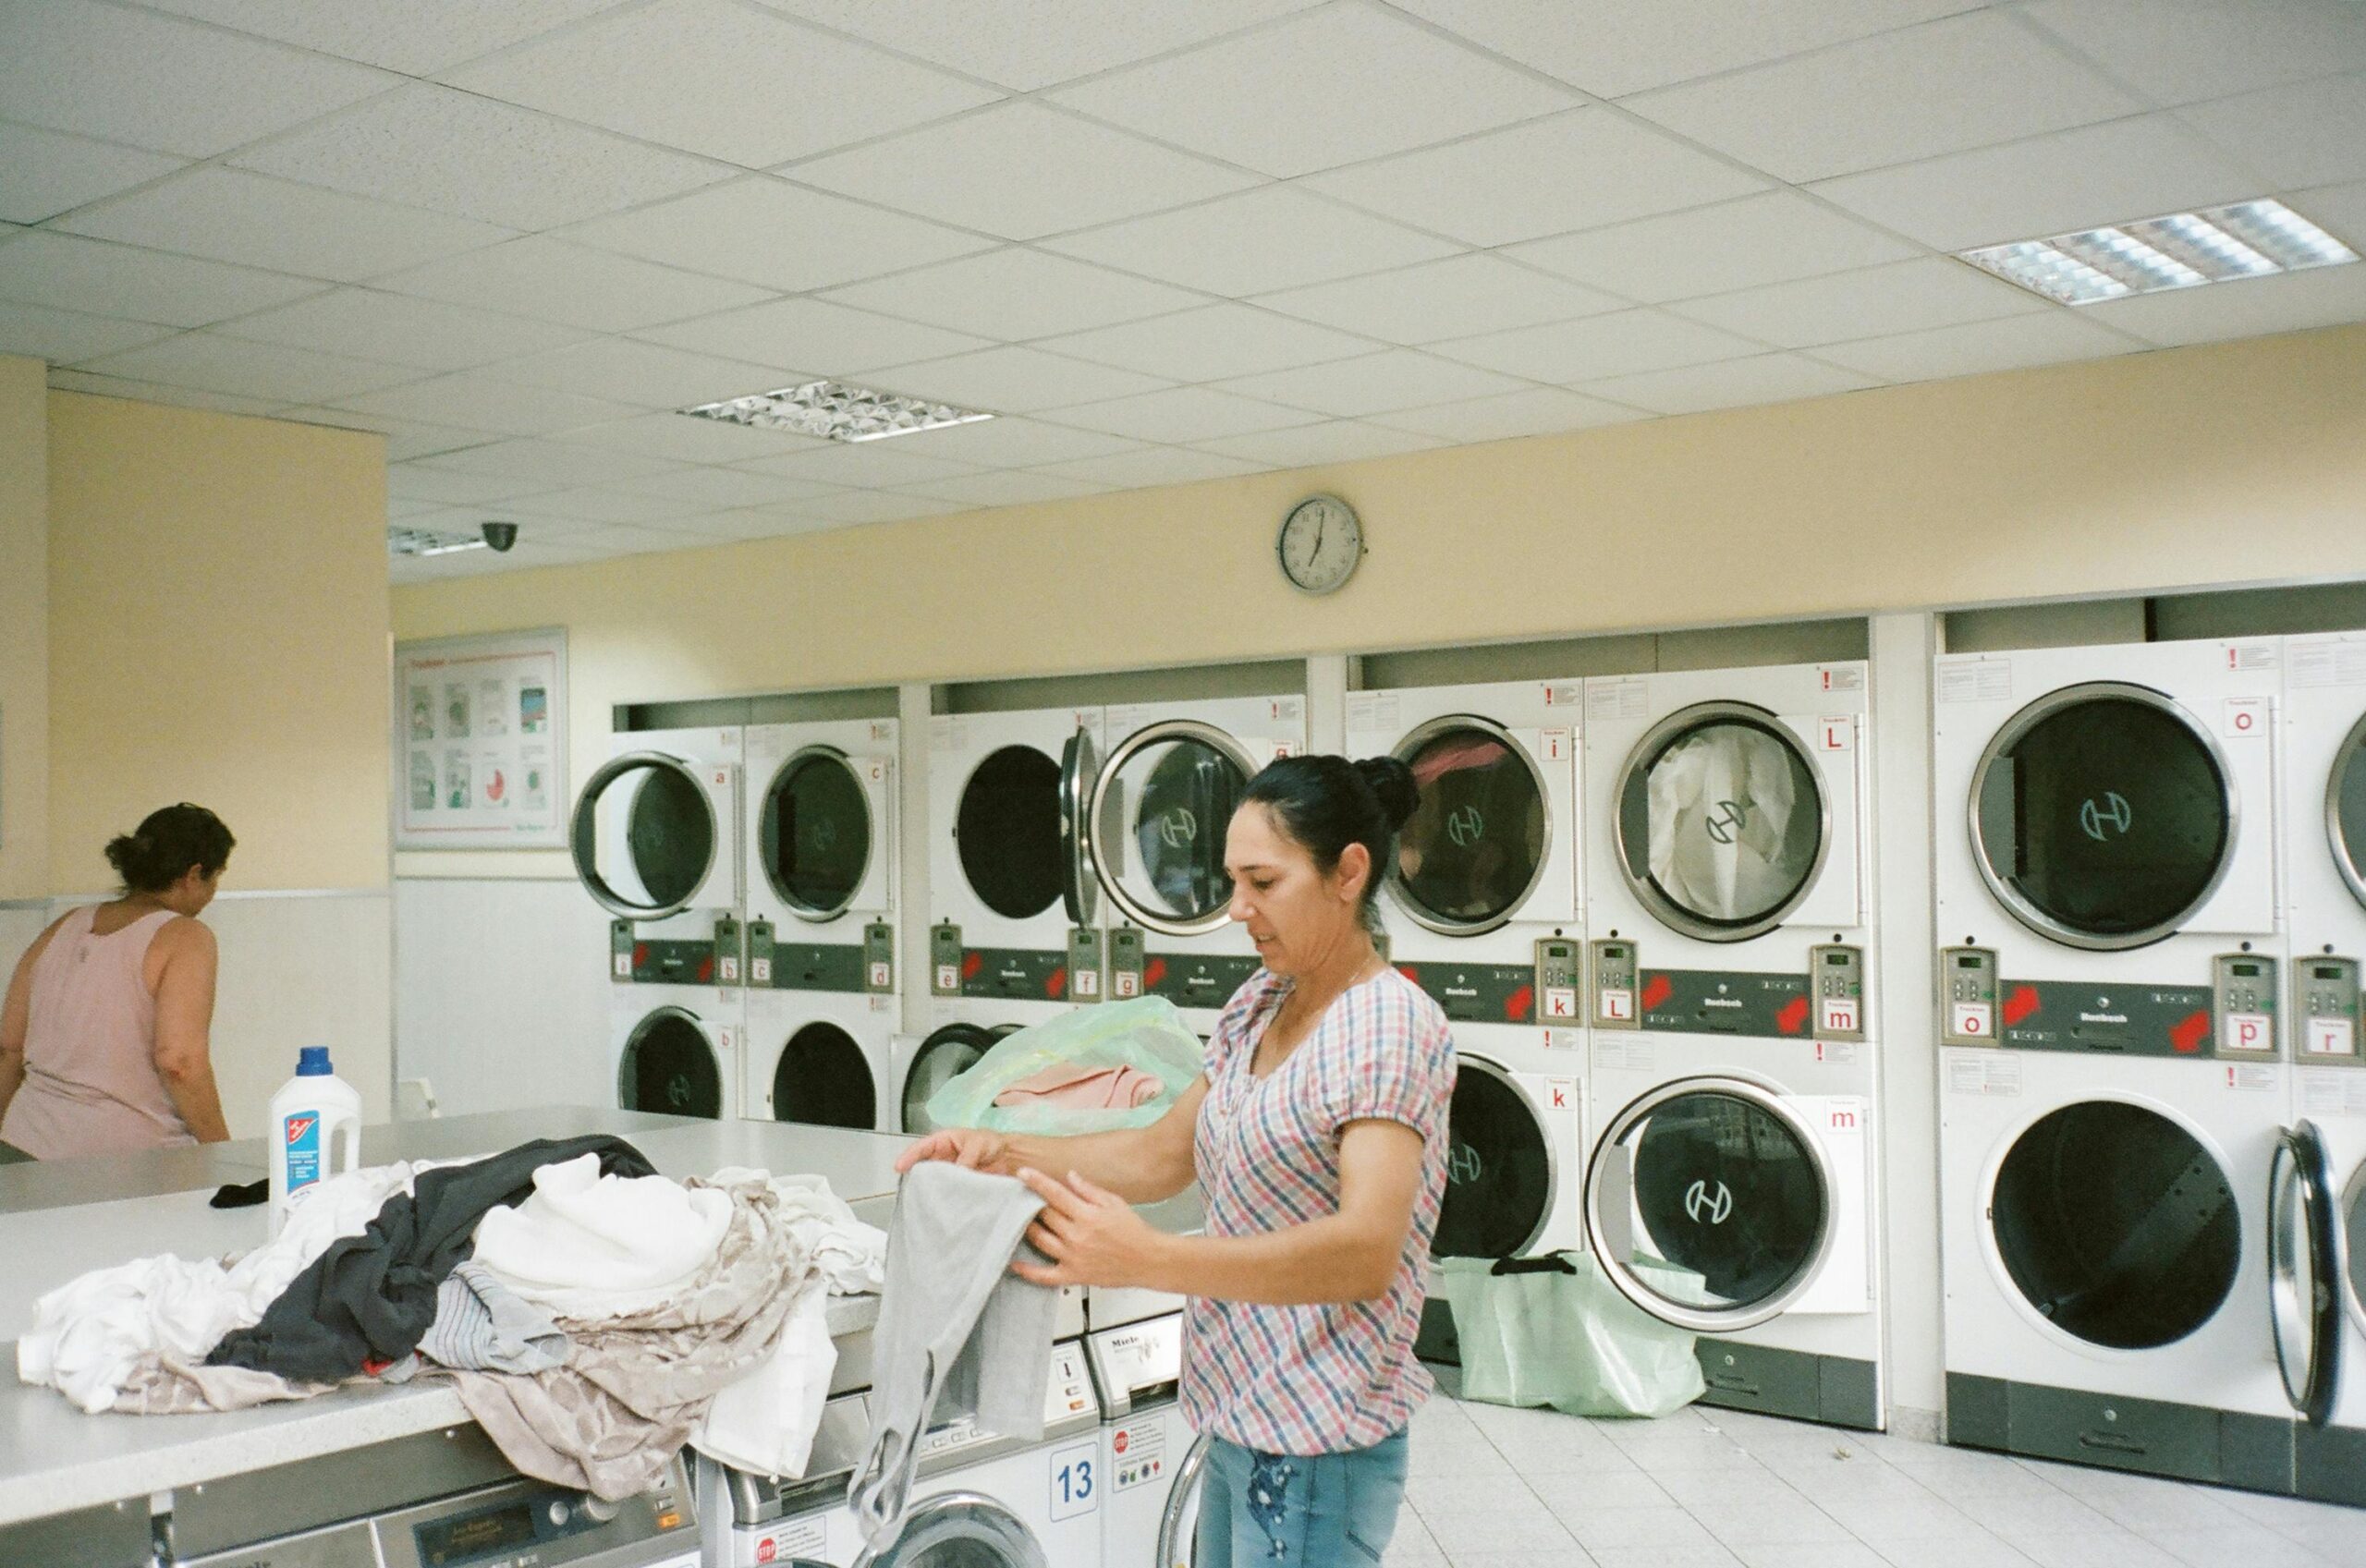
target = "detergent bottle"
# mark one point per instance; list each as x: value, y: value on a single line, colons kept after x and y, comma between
x: 313, y: 1112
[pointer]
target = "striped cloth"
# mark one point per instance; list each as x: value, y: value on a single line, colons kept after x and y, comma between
x: 1325, y: 1379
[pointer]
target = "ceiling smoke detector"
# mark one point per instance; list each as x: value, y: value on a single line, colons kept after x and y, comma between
x: 837, y: 411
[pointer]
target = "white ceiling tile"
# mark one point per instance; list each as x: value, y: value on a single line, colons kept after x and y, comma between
x: 1396, y: 378
x: 586, y: 506
x: 1012, y: 487
x: 1966, y: 82
x: 2177, y: 51
x: 648, y: 374
x: 1030, y: 43
x: 1759, y: 240
x: 2313, y: 134
x: 1153, y: 466
x: 1020, y: 170
x: 865, y: 464
x: 1183, y: 414
x: 156, y: 392
x: 429, y: 146
x: 158, y: 83
x: 741, y: 523
x: 90, y: 275
x: 1460, y: 296
x: 572, y: 286
x: 67, y: 337
x: 1257, y: 241
x: 1327, y: 87
x: 765, y: 231
x: 1016, y: 441
x: 1615, y: 47
x: 474, y: 399
x: 230, y: 215
x: 401, y: 330
x: 44, y: 173
x: 1015, y: 380
x: 823, y: 338
x: 1211, y: 343
x: 252, y: 369
x: 1015, y: 293
x: 2074, y: 179
x: 406, y: 439
x: 2322, y: 297
x: 876, y: 506
x: 1624, y: 343
x: 1931, y: 291
x: 1977, y: 347
x: 1605, y: 168
x: 723, y: 79
x: 413, y: 481
x: 2340, y: 210
x: 1730, y: 383
x: 416, y: 37
x: 1340, y: 441
x: 691, y: 441
x: 1541, y: 411
x: 552, y: 462
x: 624, y: 540
x: 716, y: 489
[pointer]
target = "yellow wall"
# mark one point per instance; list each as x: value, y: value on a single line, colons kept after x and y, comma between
x: 217, y: 606
x: 24, y: 630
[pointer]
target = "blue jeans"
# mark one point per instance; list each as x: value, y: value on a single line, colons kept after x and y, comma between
x: 1290, y: 1509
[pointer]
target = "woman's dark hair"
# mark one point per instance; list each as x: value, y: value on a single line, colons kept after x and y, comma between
x: 1327, y: 803
x: 166, y: 844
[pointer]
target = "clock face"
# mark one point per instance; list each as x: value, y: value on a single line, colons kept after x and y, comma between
x: 1320, y: 544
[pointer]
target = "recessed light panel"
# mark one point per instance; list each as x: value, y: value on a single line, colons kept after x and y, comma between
x: 2250, y: 239
x: 425, y: 541
x: 837, y: 411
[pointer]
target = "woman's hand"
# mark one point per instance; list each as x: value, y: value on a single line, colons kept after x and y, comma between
x: 972, y: 1147
x: 1092, y: 1235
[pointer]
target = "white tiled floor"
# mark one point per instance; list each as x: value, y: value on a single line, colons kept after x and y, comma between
x: 1493, y: 1488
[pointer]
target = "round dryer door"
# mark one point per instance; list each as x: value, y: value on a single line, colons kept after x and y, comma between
x: 1500, y: 1178
x: 1161, y: 806
x: 2102, y: 816
x: 1475, y: 847
x: 2304, y: 1271
x: 959, y: 1529
x: 1711, y: 1204
x: 2346, y: 810
x: 816, y: 833
x: 668, y: 1066
x: 823, y: 1078
x: 1722, y: 824
x: 2116, y: 1224
x: 2352, y: 1256
x: 644, y: 836
x: 943, y: 1056
x: 1007, y: 832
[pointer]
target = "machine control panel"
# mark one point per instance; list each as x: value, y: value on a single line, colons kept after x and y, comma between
x: 879, y: 958
x: 1557, y: 980
x: 1125, y: 963
x: 1615, y: 980
x: 2243, y: 1002
x: 1085, y: 964
x: 2327, y: 989
x: 1138, y: 1364
x: 1967, y: 996
x: 760, y: 953
x: 945, y: 960
x: 729, y: 954
x: 1836, y: 978
x: 620, y: 950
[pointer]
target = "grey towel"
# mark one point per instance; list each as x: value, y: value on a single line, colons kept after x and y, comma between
x: 482, y: 1326
x: 957, y: 1330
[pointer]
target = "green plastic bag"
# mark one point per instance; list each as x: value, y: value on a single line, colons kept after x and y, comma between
x: 1147, y: 1033
x: 1553, y: 1330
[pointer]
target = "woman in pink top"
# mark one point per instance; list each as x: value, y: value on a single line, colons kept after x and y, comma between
x: 104, y: 1039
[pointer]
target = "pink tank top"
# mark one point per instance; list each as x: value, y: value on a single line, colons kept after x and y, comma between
x: 91, y: 1080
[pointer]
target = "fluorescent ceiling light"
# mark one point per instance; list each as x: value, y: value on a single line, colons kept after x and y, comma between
x: 837, y: 411
x: 424, y: 541
x: 2250, y: 239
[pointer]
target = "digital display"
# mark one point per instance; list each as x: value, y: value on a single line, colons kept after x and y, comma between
x: 1835, y: 958
x: 1969, y: 961
x: 2245, y: 970
x: 442, y: 1543
x: 2326, y: 972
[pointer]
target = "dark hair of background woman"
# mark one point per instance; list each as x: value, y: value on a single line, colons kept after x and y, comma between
x: 166, y: 844
x: 1328, y: 803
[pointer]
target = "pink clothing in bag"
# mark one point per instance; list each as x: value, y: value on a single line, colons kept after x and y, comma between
x: 1079, y: 1086
x: 91, y: 1081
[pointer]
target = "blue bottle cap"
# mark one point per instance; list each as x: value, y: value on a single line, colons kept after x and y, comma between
x: 312, y: 1062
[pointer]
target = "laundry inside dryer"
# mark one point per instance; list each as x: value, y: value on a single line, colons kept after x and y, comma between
x: 1724, y: 819
x: 1475, y: 845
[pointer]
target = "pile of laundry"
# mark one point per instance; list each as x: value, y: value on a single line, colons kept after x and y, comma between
x: 595, y: 1314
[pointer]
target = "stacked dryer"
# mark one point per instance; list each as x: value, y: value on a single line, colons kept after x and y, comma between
x: 2113, y: 1090
x: 1731, y: 1186
x: 655, y: 837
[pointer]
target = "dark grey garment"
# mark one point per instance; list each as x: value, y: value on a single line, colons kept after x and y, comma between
x: 959, y: 1333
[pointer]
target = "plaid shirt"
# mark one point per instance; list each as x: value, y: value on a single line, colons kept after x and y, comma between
x: 1324, y: 1379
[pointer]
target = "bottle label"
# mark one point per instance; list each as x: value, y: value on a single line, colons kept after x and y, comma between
x: 302, y: 1133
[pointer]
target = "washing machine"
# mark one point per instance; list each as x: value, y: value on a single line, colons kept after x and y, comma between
x: 677, y: 1049
x: 2113, y: 1088
x: 820, y: 1057
x: 1158, y: 804
x: 655, y: 837
x: 1150, y: 1457
x: 820, y: 831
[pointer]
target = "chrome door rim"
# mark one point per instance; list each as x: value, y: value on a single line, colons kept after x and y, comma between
x: 1180, y: 1498
x: 958, y: 1516
x: 814, y: 915
x: 1407, y: 750
x: 1141, y: 740
x: 2300, y: 1152
x: 1487, y: 1068
x: 2027, y: 719
x: 1705, y: 1319
x: 583, y: 833
x: 1687, y: 922
x: 1079, y: 778
x: 2351, y: 872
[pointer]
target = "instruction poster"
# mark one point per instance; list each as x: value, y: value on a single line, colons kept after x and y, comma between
x: 481, y: 742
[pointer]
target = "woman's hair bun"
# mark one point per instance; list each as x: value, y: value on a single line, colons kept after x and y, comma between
x: 1393, y: 785
x: 167, y: 844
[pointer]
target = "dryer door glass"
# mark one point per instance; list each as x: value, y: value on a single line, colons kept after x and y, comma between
x: 816, y: 833
x: 2346, y: 810
x: 1475, y: 847
x: 822, y: 1077
x: 2303, y: 1294
x: 1722, y: 821
x: 1499, y: 1174
x: 2116, y: 1224
x: 2105, y: 817
x: 644, y: 836
x: 1161, y: 807
x: 2353, y: 1244
x: 669, y: 1067
x: 1727, y: 1207
x: 1007, y: 832
x: 942, y: 1057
